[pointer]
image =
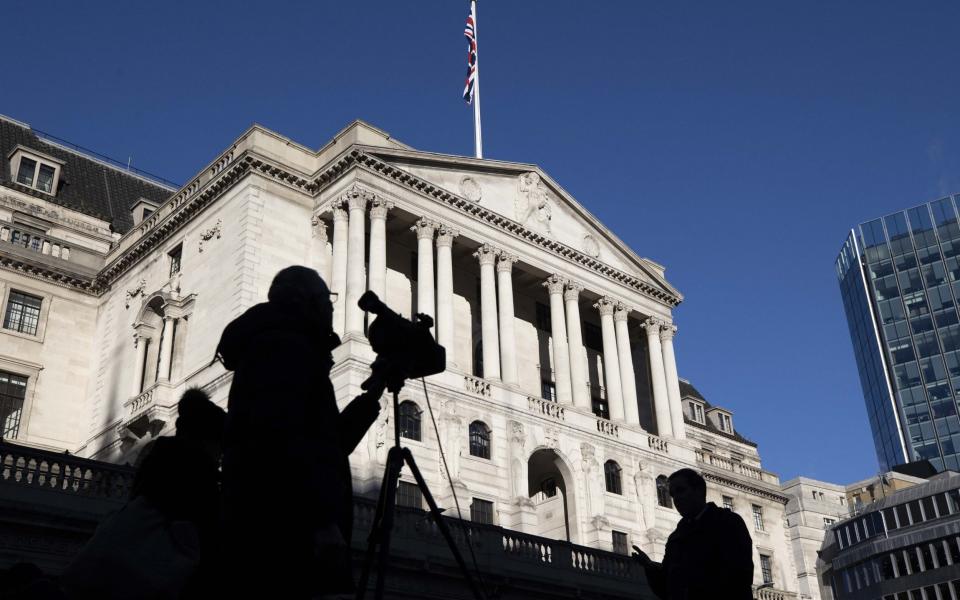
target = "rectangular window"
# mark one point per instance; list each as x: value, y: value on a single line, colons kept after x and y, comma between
x: 27, y: 168
x: 481, y: 511
x: 620, y: 544
x: 758, y: 517
x: 23, y: 313
x: 45, y: 178
x: 728, y: 502
x: 726, y: 424
x: 548, y: 390
x: 13, y: 391
x: 765, y: 568
x: 696, y: 412
x: 409, y: 495
x: 915, y: 515
x: 543, y: 317
x: 928, y: 511
x: 175, y: 255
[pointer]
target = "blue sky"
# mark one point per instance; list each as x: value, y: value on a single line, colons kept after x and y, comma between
x: 733, y: 142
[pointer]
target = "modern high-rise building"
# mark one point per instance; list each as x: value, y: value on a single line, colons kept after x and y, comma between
x: 900, y: 281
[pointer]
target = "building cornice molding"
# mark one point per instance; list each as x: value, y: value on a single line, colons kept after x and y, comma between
x: 480, y: 213
x: 745, y: 487
x: 46, y: 274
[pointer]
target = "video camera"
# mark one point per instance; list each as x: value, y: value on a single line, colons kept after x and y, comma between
x: 405, y: 348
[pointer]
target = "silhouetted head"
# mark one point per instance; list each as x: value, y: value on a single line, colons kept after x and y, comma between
x: 201, y: 421
x: 302, y: 290
x: 689, y: 492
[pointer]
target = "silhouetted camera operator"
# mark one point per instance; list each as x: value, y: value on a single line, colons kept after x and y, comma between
x: 287, y: 494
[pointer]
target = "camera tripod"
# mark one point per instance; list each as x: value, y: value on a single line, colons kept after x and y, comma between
x: 383, y: 518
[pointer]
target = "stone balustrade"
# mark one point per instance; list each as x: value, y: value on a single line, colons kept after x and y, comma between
x: 545, y: 407
x: 658, y: 444
x: 608, y: 427
x: 26, y: 467
x: 734, y: 466
x: 476, y: 385
x: 37, y: 243
x: 770, y: 593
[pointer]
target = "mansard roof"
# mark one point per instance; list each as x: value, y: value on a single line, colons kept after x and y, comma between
x: 87, y: 184
x: 688, y: 391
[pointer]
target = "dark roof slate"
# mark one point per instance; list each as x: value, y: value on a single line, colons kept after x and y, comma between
x: 688, y: 391
x: 86, y: 185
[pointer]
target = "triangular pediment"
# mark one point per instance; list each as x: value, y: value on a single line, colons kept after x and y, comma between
x: 524, y: 193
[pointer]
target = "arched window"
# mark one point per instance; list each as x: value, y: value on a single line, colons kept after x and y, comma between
x: 611, y: 472
x: 663, y: 492
x: 409, y: 420
x: 479, y: 439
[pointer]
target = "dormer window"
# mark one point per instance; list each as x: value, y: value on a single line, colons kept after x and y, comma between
x: 696, y: 412
x: 725, y: 423
x: 142, y: 209
x: 35, y: 170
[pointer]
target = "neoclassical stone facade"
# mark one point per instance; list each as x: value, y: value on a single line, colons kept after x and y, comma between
x: 559, y: 338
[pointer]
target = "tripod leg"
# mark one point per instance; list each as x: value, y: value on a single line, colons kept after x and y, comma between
x: 438, y: 519
x: 382, y: 524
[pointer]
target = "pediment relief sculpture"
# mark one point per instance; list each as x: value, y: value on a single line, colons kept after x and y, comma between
x: 470, y: 189
x: 533, y: 205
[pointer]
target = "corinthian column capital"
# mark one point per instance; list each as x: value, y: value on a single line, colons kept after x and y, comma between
x: 667, y: 332
x: 379, y: 208
x: 605, y: 305
x: 487, y: 254
x: 572, y: 291
x: 357, y: 198
x: 319, y: 228
x: 505, y: 264
x: 446, y: 235
x: 653, y: 325
x: 621, y: 312
x: 555, y: 284
x: 424, y: 228
x: 339, y: 212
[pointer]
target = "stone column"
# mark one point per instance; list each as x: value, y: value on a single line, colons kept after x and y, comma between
x: 338, y: 277
x: 445, y: 236
x: 321, y: 256
x: 578, y: 358
x: 661, y: 401
x: 166, y: 349
x: 673, y: 381
x: 628, y: 379
x: 611, y: 364
x: 508, y: 342
x: 487, y: 255
x: 141, y: 344
x: 425, y: 299
x: 357, y: 201
x: 558, y: 331
x: 377, y: 278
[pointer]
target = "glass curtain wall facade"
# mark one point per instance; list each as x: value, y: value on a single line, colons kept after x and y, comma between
x: 900, y: 282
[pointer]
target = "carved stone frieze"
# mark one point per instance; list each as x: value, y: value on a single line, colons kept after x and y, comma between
x: 138, y: 290
x: 470, y: 189
x: 209, y: 234
x: 533, y: 205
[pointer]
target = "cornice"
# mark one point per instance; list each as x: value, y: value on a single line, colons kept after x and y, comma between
x: 375, y: 165
x: 45, y: 273
x: 744, y: 487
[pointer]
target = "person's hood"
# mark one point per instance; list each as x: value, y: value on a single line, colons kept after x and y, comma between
x: 248, y: 331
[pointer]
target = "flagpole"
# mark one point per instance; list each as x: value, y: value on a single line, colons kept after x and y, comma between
x: 477, y: 133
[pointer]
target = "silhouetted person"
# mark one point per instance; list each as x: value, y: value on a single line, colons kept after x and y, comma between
x: 287, y: 493
x: 709, y: 554
x: 155, y: 545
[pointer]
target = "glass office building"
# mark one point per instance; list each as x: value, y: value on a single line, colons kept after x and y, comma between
x: 900, y: 282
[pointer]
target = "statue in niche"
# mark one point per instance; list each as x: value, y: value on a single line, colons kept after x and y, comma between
x: 593, y: 489
x: 533, y: 204
x: 646, y: 489
x: 518, y: 460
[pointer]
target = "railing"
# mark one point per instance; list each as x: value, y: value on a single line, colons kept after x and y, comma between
x: 734, y: 466
x: 656, y: 443
x: 602, y: 563
x: 545, y: 407
x: 41, y: 469
x: 769, y: 593
x: 37, y: 243
x: 142, y: 402
x: 476, y: 385
x: 608, y: 427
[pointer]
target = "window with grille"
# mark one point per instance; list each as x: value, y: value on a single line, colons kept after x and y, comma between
x: 663, y: 492
x: 728, y: 502
x: 765, y: 568
x: 481, y: 511
x: 611, y: 473
x: 479, y: 439
x: 23, y: 313
x: 620, y: 543
x: 758, y: 517
x: 175, y: 257
x: 13, y: 391
x: 409, y: 495
x: 409, y: 420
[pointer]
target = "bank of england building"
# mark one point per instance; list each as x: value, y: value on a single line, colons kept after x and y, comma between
x: 560, y: 413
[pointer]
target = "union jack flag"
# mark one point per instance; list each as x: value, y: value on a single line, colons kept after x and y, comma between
x: 470, y: 33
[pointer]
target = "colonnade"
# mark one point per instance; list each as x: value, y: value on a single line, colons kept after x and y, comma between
x: 346, y: 271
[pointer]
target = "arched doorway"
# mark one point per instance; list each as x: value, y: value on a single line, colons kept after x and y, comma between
x: 551, y: 488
